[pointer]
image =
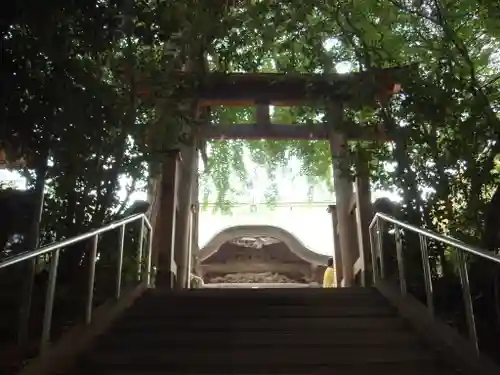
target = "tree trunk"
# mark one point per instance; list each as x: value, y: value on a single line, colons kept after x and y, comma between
x: 32, y: 242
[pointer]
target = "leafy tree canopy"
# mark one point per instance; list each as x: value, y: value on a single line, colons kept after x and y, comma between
x: 69, y: 96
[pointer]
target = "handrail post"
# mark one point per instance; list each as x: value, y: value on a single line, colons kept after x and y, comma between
x: 54, y: 250
x: 400, y: 259
x: 90, y: 295
x: 150, y: 256
x: 469, y: 309
x: 49, y: 302
x: 26, y: 302
x: 429, y: 293
x: 380, y: 250
x: 373, y: 241
x: 120, y: 262
x: 139, y: 251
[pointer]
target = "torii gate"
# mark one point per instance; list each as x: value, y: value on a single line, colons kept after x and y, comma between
x: 174, y: 193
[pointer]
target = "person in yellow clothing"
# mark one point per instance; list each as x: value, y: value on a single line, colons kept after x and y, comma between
x: 329, y: 279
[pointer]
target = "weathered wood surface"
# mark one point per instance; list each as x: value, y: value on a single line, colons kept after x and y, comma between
x: 243, y: 89
x: 289, y: 131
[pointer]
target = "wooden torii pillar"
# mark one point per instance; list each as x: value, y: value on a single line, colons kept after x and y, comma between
x: 194, y: 227
x: 337, y: 255
x: 183, y: 227
x: 343, y: 190
x: 173, y: 217
x: 351, y: 215
x: 359, y: 216
x: 363, y: 213
x: 165, y: 203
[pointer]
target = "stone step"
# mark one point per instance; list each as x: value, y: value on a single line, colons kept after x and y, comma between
x: 236, y: 312
x: 279, y: 331
x: 263, y: 324
x: 281, y: 293
x: 372, y: 369
x: 252, y: 339
x: 274, y: 356
x: 218, y: 305
x: 258, y: 285
x: 352, y: 369
x: 238, y: 301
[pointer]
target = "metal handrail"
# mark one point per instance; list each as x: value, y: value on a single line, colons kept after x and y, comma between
x: 438, y: 237
x: 377, y: 252
x: 70, y: 241
x: 55, y: 249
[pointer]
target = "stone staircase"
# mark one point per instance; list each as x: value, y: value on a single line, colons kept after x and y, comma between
x: 348, y: 331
